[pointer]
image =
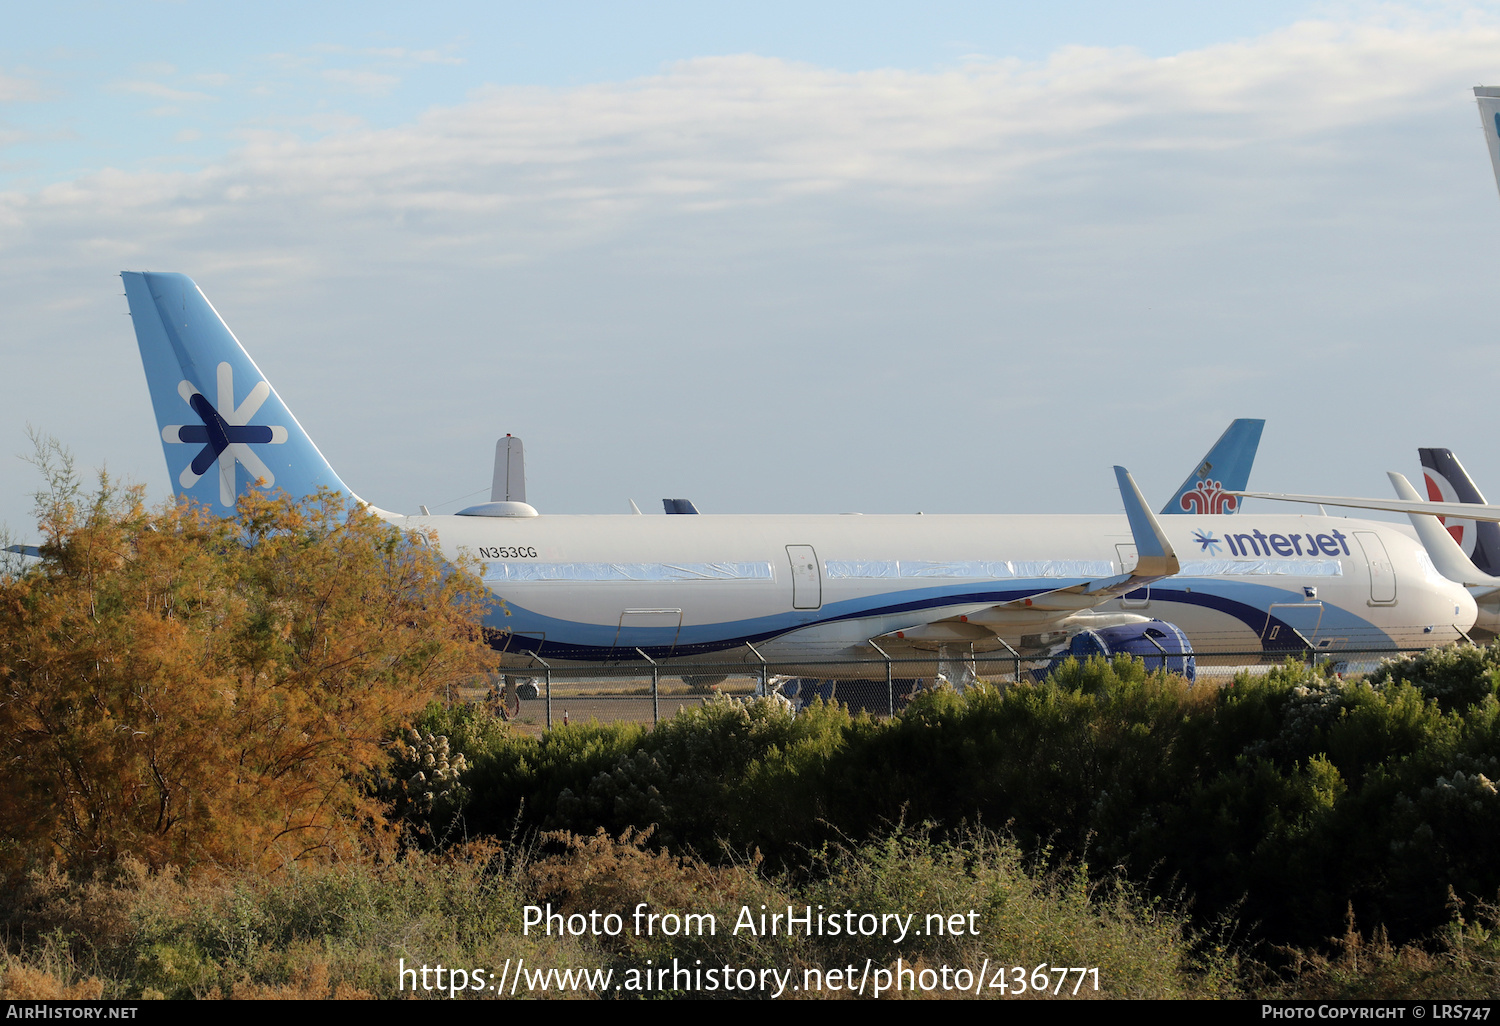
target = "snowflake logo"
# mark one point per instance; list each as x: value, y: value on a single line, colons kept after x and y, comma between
x: 1207, y: 541
x: 226, y: 437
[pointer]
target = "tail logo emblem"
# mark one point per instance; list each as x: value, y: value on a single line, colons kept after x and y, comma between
x: 226, y: 437
x: 1208, y: 496
x: 1440, y: 489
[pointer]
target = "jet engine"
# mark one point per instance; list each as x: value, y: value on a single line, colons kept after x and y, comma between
x: 1160, y: 644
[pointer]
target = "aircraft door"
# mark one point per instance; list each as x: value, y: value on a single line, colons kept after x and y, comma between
x: 807, y: 579
x: 663, y: 626
x: 509, y: 642
x: 1382, y: 570
x: 1286, y: 620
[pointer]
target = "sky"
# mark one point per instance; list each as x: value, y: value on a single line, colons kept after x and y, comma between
x: 773, y: 258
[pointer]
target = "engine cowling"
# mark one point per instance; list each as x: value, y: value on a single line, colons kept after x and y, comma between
x: 1159, y: 643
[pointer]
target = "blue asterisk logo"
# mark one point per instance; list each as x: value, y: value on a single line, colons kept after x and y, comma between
x: 226, y: 434
x: 1207, y: 541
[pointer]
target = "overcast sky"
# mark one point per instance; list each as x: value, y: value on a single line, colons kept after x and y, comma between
x: 947, y: 257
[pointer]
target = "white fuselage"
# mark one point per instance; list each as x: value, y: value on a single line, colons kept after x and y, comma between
x: 696, y: 589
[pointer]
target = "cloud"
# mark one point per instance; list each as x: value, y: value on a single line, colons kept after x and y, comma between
x: 554, y: 167
x: 371, y: 83
x: 733, y: 130
x: 401, y: 54
x: 157, y: 90
x: 14, y: 89
x: 972, y: 270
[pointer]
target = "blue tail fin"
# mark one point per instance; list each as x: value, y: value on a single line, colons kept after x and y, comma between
x: 1226, y: 468
x: 1448, y: 481
x: 223, y: 428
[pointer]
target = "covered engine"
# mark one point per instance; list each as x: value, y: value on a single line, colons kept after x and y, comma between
x: 1159, y: 643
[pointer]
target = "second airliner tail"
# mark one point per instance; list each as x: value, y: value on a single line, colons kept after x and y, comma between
x: 1226, y: 468
x: 1446, y: 480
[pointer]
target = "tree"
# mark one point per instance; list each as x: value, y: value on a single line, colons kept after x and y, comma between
x: 190, y: 689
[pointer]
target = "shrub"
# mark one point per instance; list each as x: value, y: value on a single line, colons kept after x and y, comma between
x: 184, y: 688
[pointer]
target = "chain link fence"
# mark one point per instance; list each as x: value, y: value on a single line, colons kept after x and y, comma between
x: 646, y: 692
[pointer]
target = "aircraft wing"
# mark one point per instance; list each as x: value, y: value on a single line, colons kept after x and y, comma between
x: 1464, y: 510
x: 1155, y: 560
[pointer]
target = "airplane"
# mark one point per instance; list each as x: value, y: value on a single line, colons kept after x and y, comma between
x: 1478, y: 541
x: 1462, y: 549
x: 806, y: 591
x: 1446, y: 556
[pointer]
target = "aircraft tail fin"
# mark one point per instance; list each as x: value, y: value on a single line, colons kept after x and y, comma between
x: 672, y: 506
x: 509, y: 482
x: 224, y: 429
x: 1488, y: 98
x: 1226, y: 468
x: 1448, y: 481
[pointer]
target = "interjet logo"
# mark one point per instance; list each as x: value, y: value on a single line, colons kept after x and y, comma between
x: 1208, y: 496
x: 226, y: 437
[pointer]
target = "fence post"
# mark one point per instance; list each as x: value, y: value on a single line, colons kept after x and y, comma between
x: 1163, y: 652
x: 1016, y: 676
x: 655, y: 686
x: 890, y: 684
x: 548, y: 666
x: 763, y: 682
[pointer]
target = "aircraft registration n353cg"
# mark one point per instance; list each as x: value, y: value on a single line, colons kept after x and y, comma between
x: 805, y: 589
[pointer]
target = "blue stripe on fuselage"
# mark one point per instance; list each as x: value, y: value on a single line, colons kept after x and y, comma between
x: 1243, y: 601
x: 597, y: 641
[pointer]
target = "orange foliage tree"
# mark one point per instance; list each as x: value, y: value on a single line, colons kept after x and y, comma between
x: 194, y: 690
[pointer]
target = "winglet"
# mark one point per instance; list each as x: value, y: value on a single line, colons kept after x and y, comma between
x: 1155, y: 557
x: 1443, y: 550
